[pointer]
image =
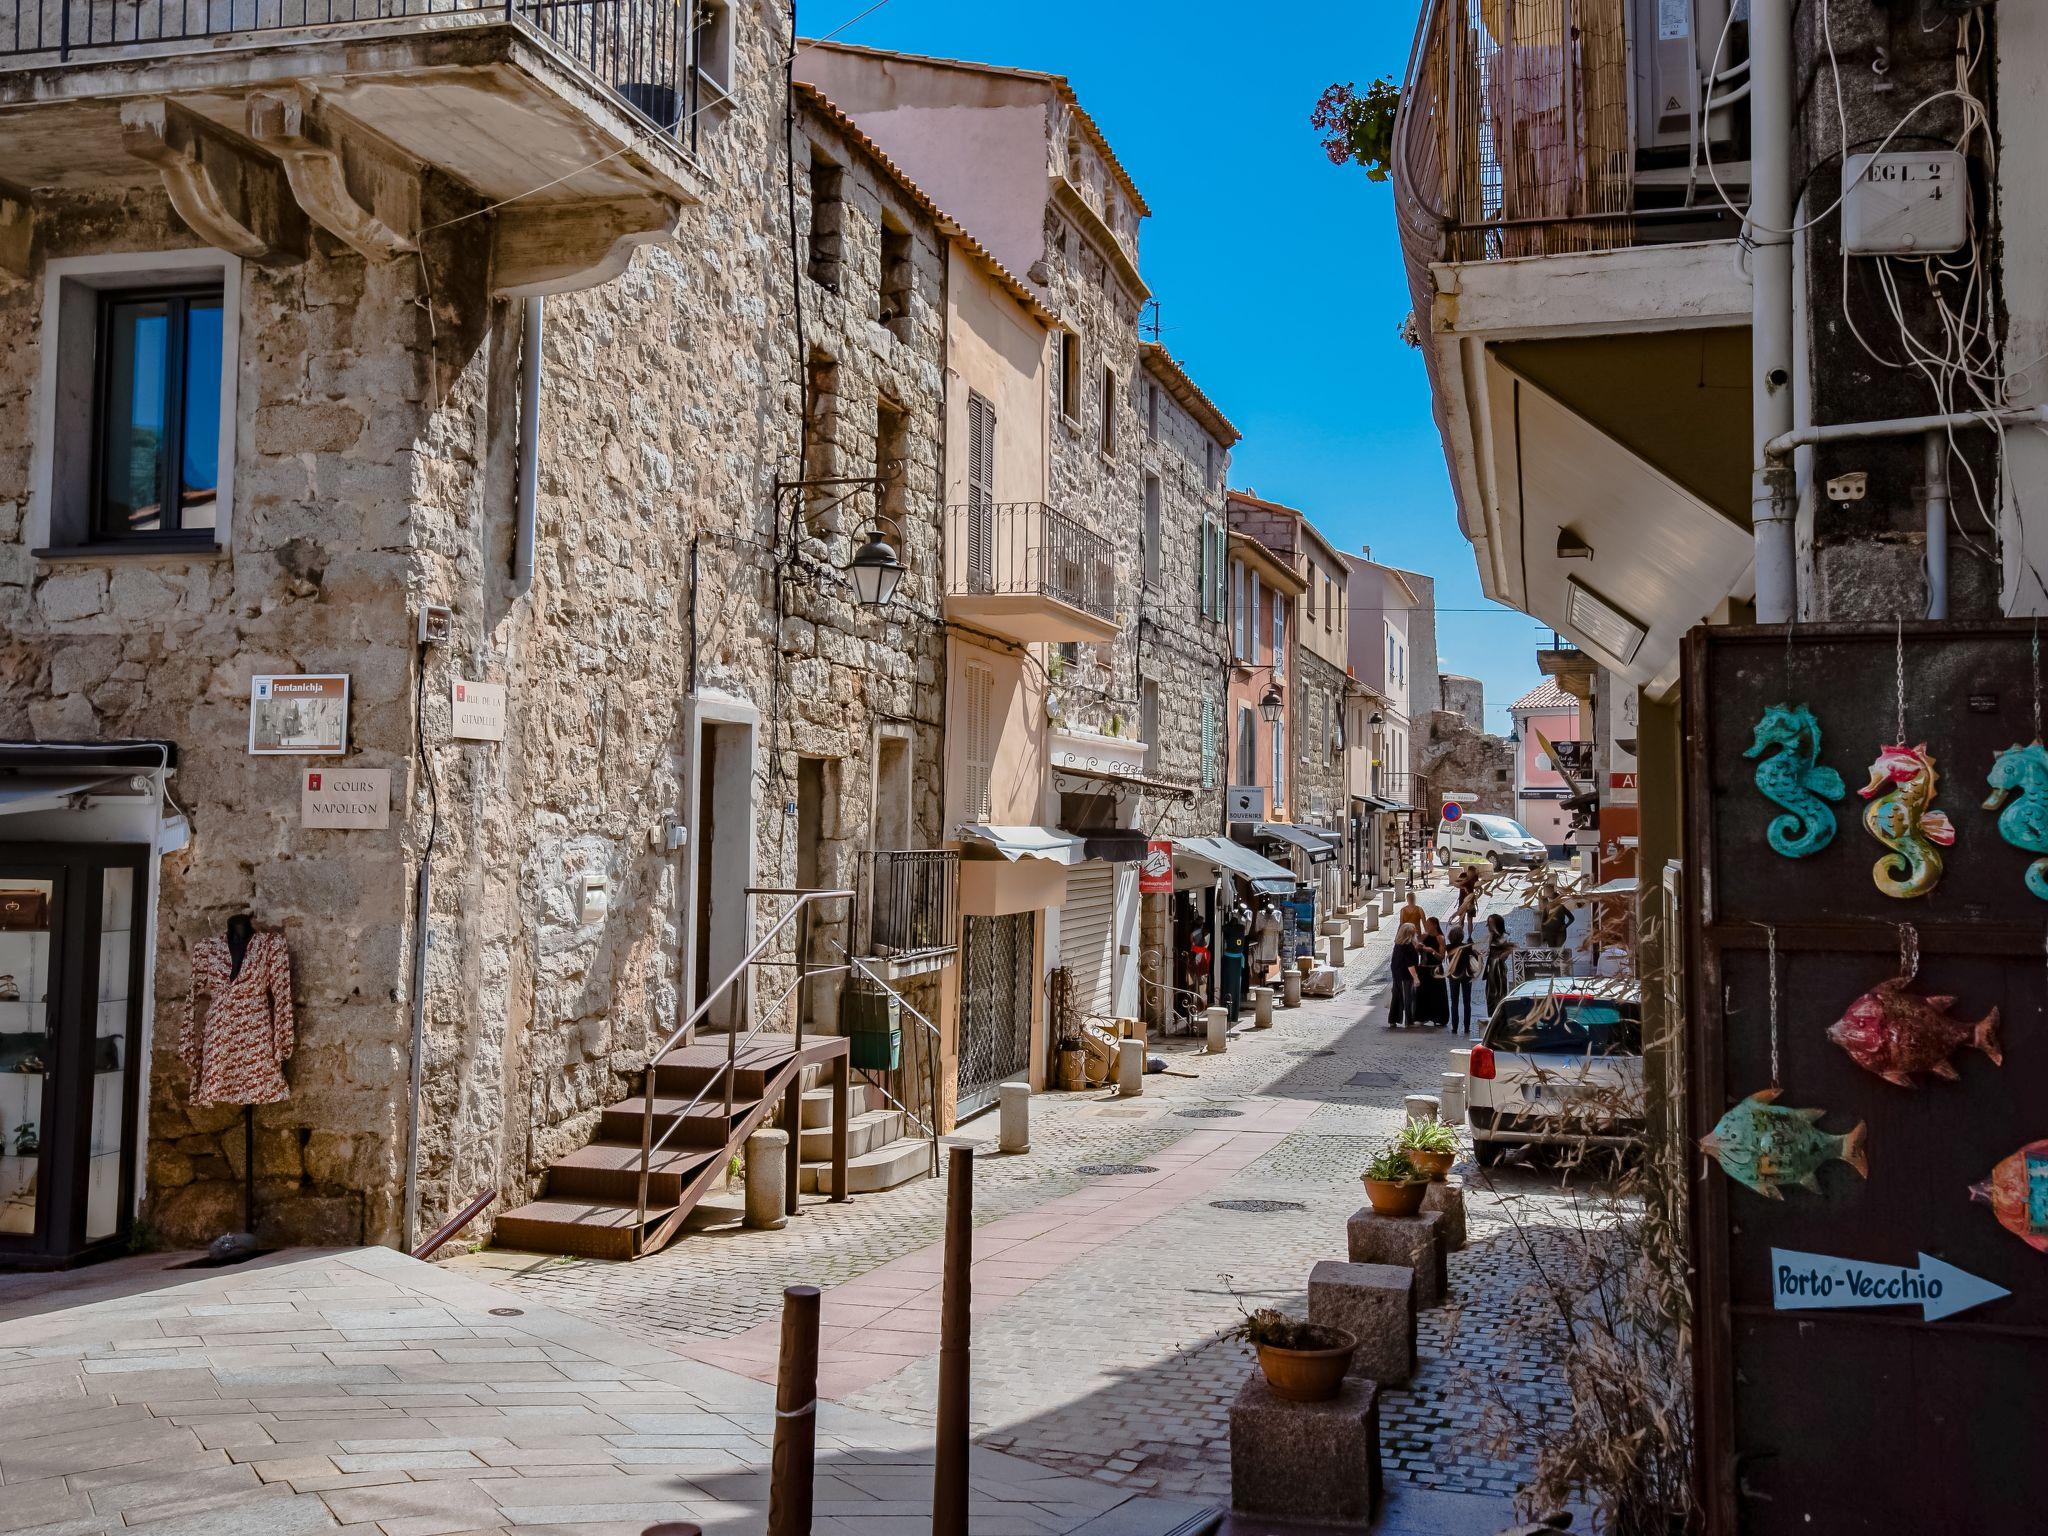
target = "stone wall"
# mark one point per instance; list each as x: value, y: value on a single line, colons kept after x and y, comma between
x: 1320, y: 794
x: 1457, y: 758
x: 1464, y: 697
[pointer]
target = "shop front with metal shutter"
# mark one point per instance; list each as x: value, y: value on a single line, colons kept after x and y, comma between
x: 1088, y: 937
x: 995, y: 1007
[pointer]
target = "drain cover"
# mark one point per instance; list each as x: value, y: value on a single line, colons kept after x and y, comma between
x: 1209, y: 1114
x: 1112, y: 1170
x: 1259, y: 1207
x: 1323, y: 1053
x: 508, y: 1311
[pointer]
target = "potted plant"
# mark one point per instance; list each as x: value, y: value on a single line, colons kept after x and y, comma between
x: 1393, y: 1184
x: 1431, y: 1146
x: 1302, y: 1362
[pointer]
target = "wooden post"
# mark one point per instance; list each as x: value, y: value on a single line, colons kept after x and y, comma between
x: 842, y: 1097
x: 949, y: 1482
x: 793, y: 1466
x: 793, y: 1120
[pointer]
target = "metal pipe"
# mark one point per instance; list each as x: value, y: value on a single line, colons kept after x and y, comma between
x: 950, y: 1455
x: 1936, y: 443
x: 529, y: 443
x: 446, y: 1231
x: 1781, y: 447
x: 1773, y: 497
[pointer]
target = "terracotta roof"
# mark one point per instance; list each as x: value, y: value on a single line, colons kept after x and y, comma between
x: 1189, y: 393
x: 1546, y: 695
x: 948, y: 226
x: 1279, y: 572
x: 1061, y: 85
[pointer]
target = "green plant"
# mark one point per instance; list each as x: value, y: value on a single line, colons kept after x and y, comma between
x: 1427, y: 1136
x: 1390, y: 1165
x: 1270, y: 1328
x: 1056, y: 665
x: 1116, y: 725
x: 1359, y: 126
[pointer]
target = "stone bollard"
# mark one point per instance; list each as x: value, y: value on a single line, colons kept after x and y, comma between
x: 1219, y: 1031
x: 1130, y: 1066
x: 1290, y: 989
x: 1372, y: 919
x: 1336, y: 943
x: 1314, y: 1463
x: 1445, y: 1199
x: 1451, y: 1099
x: 1417, y: 1242
x: 1262, y: 1007
x: 1421, y: 1106
x: 766, y: 1180
x: 1013, y: 1117
x: 1357, y: 932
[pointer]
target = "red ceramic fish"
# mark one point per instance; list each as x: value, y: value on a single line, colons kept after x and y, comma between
x: 1898, y: 1035
x: 2017, y: 1193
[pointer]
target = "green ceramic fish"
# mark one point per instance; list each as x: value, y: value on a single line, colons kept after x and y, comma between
x: 1762, y: 1146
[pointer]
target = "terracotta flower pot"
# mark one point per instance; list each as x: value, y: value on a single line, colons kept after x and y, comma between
x: 1307, y: 1375
x: 1431, y: 1165
x: 1396, y: 1198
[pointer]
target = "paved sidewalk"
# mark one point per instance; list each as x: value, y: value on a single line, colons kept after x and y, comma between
x: 1100, y: 1298
x: 362, y: 1391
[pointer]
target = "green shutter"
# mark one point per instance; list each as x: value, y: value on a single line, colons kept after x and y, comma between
x: 1210, y: 731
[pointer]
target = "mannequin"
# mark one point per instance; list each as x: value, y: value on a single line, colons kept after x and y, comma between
x: 237, y: 1048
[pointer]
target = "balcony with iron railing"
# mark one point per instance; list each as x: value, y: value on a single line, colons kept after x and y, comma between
x: 579, y: 116
x: 1030, y: 572
x: 912, y: 908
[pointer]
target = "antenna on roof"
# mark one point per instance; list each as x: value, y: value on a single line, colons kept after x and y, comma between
x: 1148, y: 320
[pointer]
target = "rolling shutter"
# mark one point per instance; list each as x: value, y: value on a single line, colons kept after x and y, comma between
x: 1087, y: 932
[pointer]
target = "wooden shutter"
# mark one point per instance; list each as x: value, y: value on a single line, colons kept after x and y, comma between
x: 1202, y: 569
x: 1209, y: 734
x: 981, y: 739
x: 981, y: 494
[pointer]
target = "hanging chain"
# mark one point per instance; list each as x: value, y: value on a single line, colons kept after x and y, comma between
x: 1899, y: 681
x: 2037, y: 679
x: 1771, y: 972
x: 1909, y: 951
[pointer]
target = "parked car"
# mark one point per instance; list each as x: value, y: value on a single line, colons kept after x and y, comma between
x: 1496, y: 840
x: 1560, y: 1063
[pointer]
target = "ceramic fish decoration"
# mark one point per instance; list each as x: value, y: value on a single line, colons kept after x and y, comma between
x: 1762, y: 1146
x: 2017, y: 1193
x: 2019, y: 782
x: 1898, y: 1035
x: 1791, y: 777
x: 1901, y: 815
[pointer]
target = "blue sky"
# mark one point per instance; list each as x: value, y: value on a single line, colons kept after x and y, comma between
x: 1278, y: 274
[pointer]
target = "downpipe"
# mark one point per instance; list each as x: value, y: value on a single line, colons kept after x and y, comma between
x: 1773, y: 495
x: 529, y: 443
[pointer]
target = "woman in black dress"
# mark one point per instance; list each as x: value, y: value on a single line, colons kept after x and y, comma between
x: 1432, y: 997
x: 1402, y: 972
x: 1498, y: 948
x: 1461, y: 969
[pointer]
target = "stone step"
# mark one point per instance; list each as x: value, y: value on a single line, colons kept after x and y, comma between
x: 817, y: 1103
x: 884, y: 1168
x: 865, y: 1132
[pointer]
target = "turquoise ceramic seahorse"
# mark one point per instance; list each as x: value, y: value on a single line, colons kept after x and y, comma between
x: 1901, y: 815
x: 2023, y: 772
x: 1792, y: 778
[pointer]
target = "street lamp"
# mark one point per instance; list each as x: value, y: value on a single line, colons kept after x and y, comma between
x: 1270, y: 705
x: 1376, y: 718
x: 877, y: 570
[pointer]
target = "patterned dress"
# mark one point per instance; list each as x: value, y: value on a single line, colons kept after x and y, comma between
x: 237, y: 1051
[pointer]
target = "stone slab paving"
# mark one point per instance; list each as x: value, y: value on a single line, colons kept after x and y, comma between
x: 1101, y: 1302
x: 361, y: 1391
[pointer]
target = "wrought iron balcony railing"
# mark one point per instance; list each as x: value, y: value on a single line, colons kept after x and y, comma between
x: 912, y: 901
x: 1026, y: 548
x: 643, y: 52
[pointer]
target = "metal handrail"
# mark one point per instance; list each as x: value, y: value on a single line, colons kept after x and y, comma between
x: 931, y: 1054
x: 648, y: 1144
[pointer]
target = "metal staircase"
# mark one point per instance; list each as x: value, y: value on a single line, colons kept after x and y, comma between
x: 658, y: 1153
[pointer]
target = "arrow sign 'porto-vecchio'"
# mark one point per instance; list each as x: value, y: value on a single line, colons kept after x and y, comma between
x: 1801, y: 1280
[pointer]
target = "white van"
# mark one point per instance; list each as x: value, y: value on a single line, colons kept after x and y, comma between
x: 1495, y: 840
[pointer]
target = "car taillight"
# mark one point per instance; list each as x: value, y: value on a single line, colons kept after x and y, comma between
x: 1482, y: 1063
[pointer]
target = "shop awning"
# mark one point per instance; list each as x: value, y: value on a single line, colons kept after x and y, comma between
x: 1015, y: 843
x: 1328, y: 834
x: 26, y: 794
x: 1300, y: 837
x: 1221, y: 854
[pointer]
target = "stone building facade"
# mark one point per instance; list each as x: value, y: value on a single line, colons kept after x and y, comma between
x: 676, y: 636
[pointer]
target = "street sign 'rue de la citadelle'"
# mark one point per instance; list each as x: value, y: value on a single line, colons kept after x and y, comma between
x: 1802, y: 1280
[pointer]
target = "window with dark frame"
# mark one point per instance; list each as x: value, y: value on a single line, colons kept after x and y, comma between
x: 156, y: 413
x: 899, y: 276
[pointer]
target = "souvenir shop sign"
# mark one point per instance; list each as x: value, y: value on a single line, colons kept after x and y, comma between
x: 1803, y: 1280
x: 1155, y: 876
x: 290, y: 716
x: 478, y: 710
x: 345, y: 799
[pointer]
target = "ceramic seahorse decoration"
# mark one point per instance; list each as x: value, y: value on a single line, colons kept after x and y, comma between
x: 2019, y: 782
x: 1901, y: 815
x: 1791, y: 777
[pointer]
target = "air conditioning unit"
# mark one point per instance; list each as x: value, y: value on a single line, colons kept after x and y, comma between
x: 1672, y: 44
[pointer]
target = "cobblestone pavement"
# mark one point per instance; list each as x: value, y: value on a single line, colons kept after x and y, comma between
x: 1105, y: 1357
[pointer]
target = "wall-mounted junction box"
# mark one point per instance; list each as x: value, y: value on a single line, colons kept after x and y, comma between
x: 1906, y: 203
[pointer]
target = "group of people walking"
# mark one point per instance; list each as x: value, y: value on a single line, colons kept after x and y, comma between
x: 1434, y: 968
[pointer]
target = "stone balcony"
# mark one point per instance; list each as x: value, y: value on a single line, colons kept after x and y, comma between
x: 260, y: 118
x: 1029, y: 572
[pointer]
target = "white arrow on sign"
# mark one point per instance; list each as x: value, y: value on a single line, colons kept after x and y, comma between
x: 1802, y: 1280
